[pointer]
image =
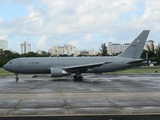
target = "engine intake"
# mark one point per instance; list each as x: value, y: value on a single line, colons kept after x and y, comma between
x: 57, y: 72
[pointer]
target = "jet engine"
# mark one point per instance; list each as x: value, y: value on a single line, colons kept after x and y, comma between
x: 57, y: 72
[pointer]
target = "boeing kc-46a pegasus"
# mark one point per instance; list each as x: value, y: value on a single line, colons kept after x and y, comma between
x: 60, y: 66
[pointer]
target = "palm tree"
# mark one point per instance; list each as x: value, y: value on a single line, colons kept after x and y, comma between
x: 103, y: 50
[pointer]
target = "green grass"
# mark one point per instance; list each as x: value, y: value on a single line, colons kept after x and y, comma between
x: 138, y: 71
x: 4, y: 72
x: 144, y: 69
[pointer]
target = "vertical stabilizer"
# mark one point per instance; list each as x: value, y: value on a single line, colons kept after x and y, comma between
x: 134, y: 50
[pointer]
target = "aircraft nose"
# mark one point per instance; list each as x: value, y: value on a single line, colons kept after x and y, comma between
x: 5, y: 67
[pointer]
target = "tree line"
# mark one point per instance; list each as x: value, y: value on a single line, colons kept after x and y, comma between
x: 7, y: 55
x: 151, y: 53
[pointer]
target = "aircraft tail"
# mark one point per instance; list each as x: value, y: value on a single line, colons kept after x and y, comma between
x: 134, y: 50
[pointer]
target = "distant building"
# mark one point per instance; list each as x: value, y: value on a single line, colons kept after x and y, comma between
x: 114, y: 48
x: 158, y: 47
x: 61, y: 50
x: 25, y: 47
x: 4, y: 44
x: 117, y: 48
x: 87, y: 52
x: 150, y: 44
x: 124, y: 46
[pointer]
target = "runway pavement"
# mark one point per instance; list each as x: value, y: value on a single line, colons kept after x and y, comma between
x: 97, y: 95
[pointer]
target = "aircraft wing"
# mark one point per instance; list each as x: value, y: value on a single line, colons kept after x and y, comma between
x: 85, y: 66
x: 138, y: 61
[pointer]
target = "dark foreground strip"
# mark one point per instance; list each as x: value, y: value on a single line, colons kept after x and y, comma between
x: 117, y: 117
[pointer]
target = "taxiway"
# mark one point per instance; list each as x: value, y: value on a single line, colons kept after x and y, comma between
x: 114, y: 94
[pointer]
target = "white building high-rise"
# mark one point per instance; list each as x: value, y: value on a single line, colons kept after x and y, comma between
x: 150, y: 44
x: 86, y: 52
x: 124, y: 46
x: 158, y: 47
x: 25, y: 47
x: 4, y: 44
x: 116, y: 48
x: 61, y: 50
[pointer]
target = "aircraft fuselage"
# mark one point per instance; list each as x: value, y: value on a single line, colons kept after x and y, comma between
x: 43, y: 65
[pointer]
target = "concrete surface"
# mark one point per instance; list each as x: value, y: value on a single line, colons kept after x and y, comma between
x: 117, y: 94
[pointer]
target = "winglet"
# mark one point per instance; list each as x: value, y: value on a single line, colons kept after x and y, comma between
x: 134, y: 50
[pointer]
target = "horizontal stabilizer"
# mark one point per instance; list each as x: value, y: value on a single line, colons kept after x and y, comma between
x: 153, y: 63
x: 138, y: 61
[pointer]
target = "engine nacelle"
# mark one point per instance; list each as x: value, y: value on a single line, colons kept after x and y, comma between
x: 57, y: 72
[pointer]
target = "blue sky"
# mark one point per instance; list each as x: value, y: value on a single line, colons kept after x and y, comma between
x: 9, y: 11
x: 83, y: 23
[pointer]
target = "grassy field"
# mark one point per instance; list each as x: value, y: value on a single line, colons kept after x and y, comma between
x: 4, y: 72
x: 144, y: 69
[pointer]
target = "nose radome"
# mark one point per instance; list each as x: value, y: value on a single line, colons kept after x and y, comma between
x: 5, y: 67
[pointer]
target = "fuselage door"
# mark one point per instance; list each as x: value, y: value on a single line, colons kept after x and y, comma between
x: 19, y: 63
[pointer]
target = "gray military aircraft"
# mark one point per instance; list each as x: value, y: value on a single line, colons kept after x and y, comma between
x: 61, y: 66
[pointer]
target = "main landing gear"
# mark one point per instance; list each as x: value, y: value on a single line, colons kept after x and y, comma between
x: 17, y: 78
x: 78, y: 77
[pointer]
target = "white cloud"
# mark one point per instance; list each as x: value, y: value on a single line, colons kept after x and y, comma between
x: 82, y: 41
x: 86, y: 18
x: 3, y: 32
x: 32, y: 13
x: 21, y: 1
x: 111, y: 38
x: 74, y: 43
x: 78, y: 16
x: 41, y: 41
x: 81, y: 16
x: 1, y: 20
x: 3, y: 37
x: 89, y: 37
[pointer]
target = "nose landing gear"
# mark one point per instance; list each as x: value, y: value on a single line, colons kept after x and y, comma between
x: 17, y: 78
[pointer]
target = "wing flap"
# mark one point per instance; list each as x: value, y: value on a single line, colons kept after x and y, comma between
x: 85, y: 66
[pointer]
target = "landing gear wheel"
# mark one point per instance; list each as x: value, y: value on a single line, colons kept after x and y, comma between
x: 17, y: 79
x: 75, y: 77
x: 78, y: 78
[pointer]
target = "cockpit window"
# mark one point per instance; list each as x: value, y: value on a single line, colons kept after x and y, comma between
x: 10, y: 63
